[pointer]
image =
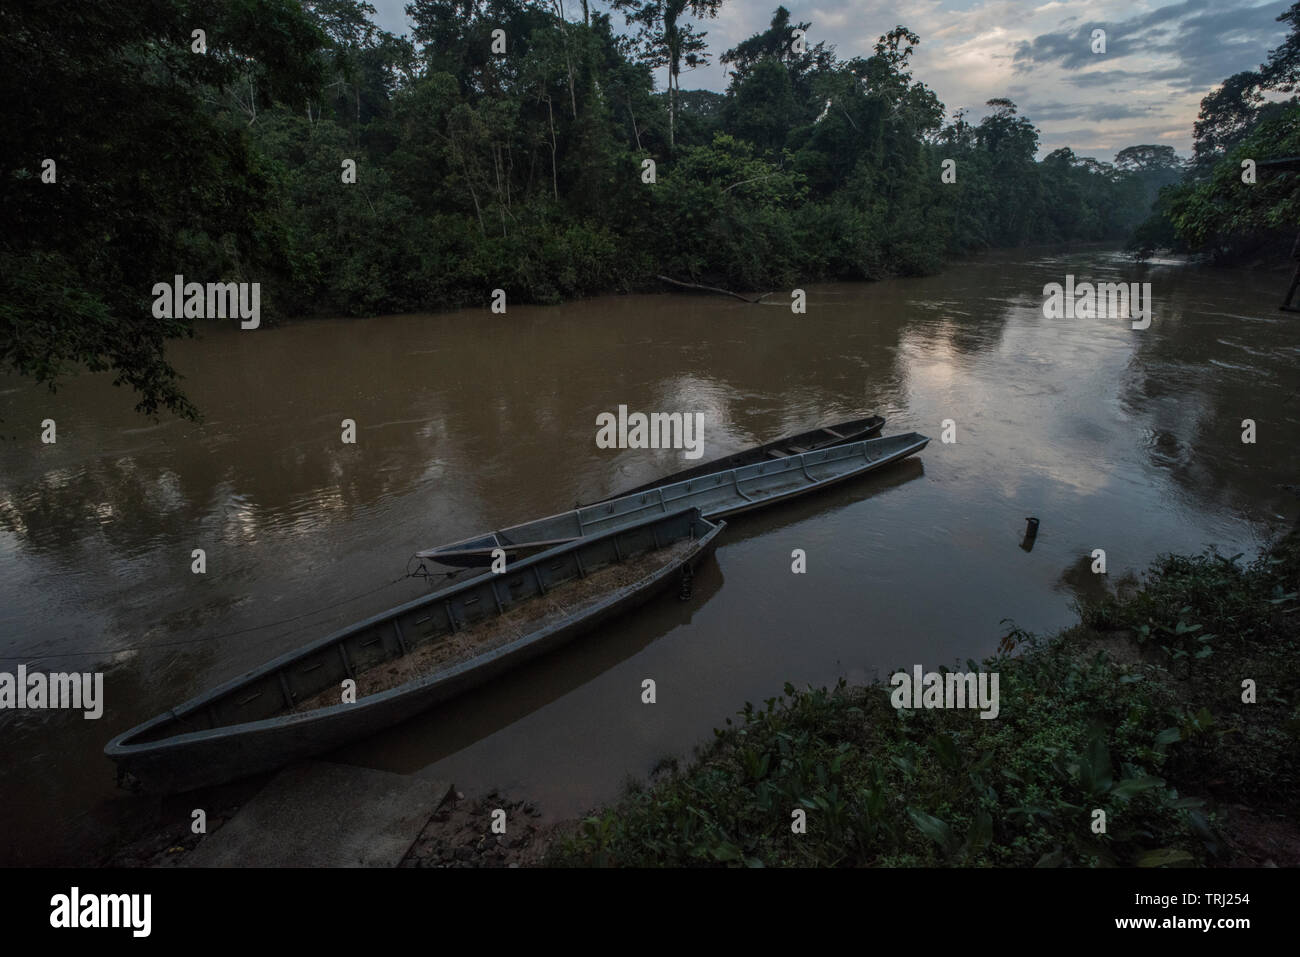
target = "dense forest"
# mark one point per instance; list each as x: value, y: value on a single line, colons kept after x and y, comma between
x: 1219, y: 208
x: 515, y: 144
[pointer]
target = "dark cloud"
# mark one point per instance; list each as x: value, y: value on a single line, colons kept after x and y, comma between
x: 1096, y: 112
x: 1071, y: 50
x: 1211, y: 39
x: 1124, y: 77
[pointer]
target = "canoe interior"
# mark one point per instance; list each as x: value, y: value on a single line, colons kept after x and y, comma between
x: 716, y: 495
x: 451, y: 615
x: 837, y: 433
x: 572, y: 599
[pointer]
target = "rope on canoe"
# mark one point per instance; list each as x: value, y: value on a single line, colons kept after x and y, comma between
x: 422, y: 572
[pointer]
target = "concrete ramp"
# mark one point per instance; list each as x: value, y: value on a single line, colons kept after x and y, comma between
x: 318, y: 814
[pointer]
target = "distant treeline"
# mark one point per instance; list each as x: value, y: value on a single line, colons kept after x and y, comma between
x: 501, y: 145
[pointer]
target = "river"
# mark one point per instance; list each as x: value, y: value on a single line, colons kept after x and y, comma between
x: 1120, y: 439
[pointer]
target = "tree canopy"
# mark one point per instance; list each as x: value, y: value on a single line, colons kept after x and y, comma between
x: 478, y: 166
x: 1226, y: 206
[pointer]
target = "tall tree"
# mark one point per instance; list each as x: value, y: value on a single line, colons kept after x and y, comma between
x: 668, y: 40
x: 802, y: 66
x: 1227, y: 115
x: 349, y: 28
x: 1147, y: 158
x: 1282, y: 71
x: 152, y: 176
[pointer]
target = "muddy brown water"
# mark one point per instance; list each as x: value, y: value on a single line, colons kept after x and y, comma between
x: 1118, y: 439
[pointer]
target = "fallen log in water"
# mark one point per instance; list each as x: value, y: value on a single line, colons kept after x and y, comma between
x: 721, y: 292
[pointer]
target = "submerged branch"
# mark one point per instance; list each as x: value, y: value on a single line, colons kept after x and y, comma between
x: 721, y: 292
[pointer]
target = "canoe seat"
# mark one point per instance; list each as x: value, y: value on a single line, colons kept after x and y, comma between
x: 796, y: 448
x: 832, y: 432
x: 777, y: 453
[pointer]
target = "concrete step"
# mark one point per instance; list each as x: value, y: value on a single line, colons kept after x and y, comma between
x: 319, y: 814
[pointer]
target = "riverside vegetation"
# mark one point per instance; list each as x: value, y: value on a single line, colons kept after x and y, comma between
x: 227, y: 157
x: 524, y: 172
x: 1137, y: 711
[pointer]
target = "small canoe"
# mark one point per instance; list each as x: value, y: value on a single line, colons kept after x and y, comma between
x: 717, y: 495
x: 411, y: 657
x: 841, y: 433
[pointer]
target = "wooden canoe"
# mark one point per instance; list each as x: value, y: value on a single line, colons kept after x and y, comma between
x: 841, y: 433
x: 411, y: 657
x: 716, y: 495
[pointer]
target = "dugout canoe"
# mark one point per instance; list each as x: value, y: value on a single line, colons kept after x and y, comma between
x: 823, y: 437
x: 411, y: 657
x: 717, y: 495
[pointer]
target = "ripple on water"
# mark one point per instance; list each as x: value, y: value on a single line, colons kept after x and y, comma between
x: 1128, y: 441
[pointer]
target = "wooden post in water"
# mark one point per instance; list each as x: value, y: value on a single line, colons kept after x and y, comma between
x: 1031, y: 533
x: 1295, y: 279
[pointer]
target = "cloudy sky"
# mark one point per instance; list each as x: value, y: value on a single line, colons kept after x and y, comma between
x: 1160, y: 59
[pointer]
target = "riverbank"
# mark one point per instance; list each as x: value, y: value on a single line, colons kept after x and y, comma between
x: 458, y: 834
x: 1170, y: 707
x: 1138, y: 711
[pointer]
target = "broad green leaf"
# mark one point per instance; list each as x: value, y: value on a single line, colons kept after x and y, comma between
x: 933, y: 828
x: 1131, y: 786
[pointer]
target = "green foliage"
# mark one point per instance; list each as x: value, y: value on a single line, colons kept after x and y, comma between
x: 1213, y: 211
x: 1214, y: 622
x: 1229, y: 218
x: 1077, y: 733
x: 477, y: 171
x: 156, y: 174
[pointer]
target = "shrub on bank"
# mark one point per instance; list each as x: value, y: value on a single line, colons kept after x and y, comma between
x: 1138, y: 712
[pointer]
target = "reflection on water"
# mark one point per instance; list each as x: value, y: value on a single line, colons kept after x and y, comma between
x: 1117, y: 439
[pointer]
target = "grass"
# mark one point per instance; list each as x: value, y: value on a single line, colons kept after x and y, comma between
x: 1136, y: 712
